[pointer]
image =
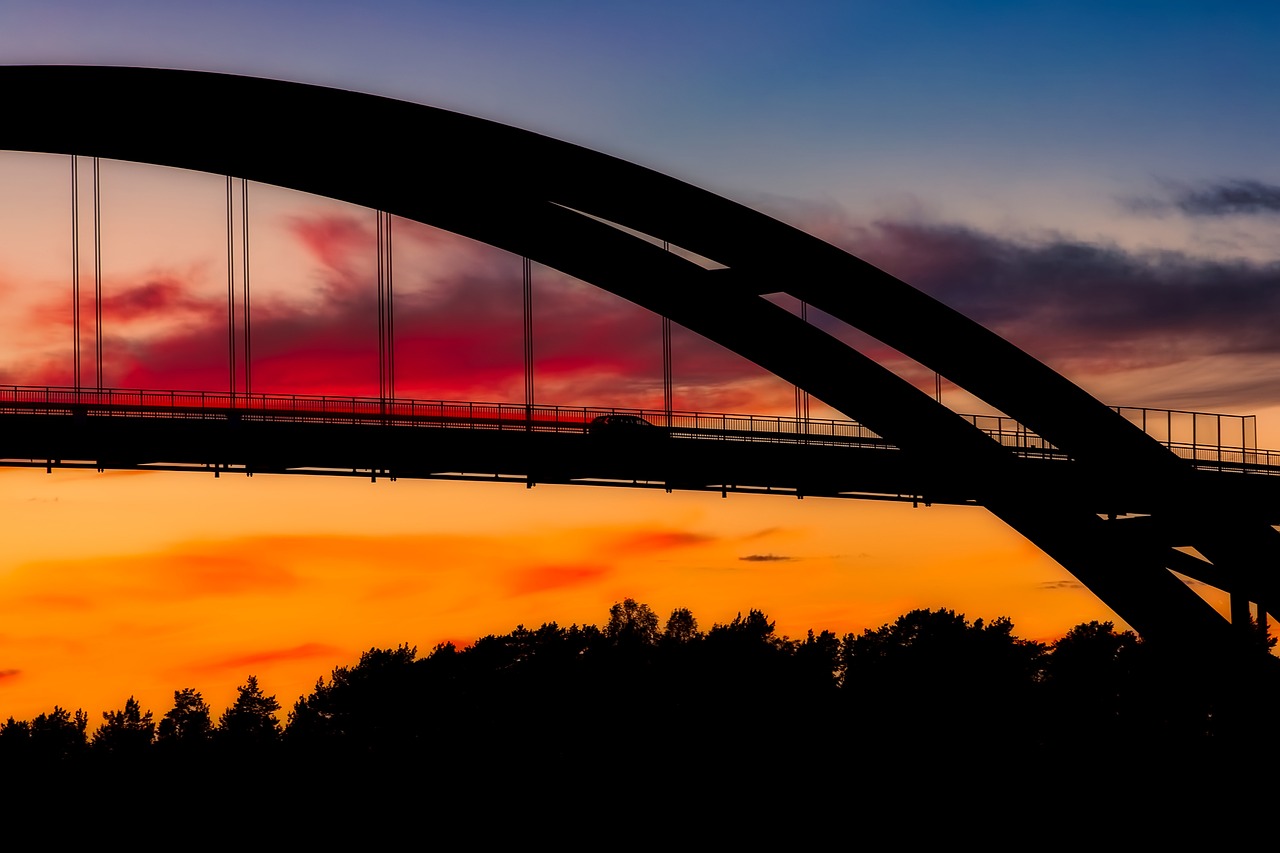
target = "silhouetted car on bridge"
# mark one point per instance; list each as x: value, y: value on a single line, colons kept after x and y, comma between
x: 623, y: 425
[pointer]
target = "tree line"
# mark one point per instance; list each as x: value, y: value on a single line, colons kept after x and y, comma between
x: 643, y: 691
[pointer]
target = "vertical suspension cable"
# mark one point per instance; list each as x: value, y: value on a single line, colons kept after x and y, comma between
x: 667, y: 396
x: 386, y: 312
x: 75, y: 270
x: 802, y: 396
x: 97, y: 276
x: 382, y: 315
x: 804, y: 315
x: 528, y: 343
x: 937, y: 387
x: 244, y: 254
x: 391, y: 317
x: 231, y: 294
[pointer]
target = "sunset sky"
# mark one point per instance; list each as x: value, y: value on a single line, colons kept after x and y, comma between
x: 1100, y: 186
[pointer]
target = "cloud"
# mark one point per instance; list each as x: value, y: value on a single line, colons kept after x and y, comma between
x: 1239, y: 197
x: 1088, y: 309
x: 458, y: 322
x: 184, y: 572
x: 543, y: 578
x: 1060, y: 585
x: 648, y: 541
x: 241, y: 663
x: 1085, y: 307
x: 333, y: 238
x: 765, y: 558
x: 9, y: 673
x: 166, y: 293
x: 762, y: 533
x: 1190, y: 328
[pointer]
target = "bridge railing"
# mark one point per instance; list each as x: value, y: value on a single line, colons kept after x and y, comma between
x: 1210, y: 439
x: 134, y: 402
x: 1213, y: 440
x: 1012, y: 434
x: 1206, y: 436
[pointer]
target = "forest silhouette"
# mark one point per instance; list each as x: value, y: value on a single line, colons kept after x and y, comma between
x: 642, y: 704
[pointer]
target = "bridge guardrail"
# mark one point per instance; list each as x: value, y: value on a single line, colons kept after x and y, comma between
x: 1185, y: 433
x: 1209, y: 439
x: 411, y: 412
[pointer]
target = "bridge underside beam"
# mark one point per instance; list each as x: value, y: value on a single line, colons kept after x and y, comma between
x: 248, y: 446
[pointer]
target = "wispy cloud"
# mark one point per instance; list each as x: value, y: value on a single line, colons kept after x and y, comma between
x: 1238, y: 197
x: 766, y: 558
x: 1060, y: 585
x: 762, y: 533
x: 243, y: 664
x: 1083, y: 307
x: 544, y: 578
x: 184, y: 572
x: 647, y: 541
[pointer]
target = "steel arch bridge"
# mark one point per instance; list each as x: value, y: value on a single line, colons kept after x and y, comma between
x: 1116, y: 523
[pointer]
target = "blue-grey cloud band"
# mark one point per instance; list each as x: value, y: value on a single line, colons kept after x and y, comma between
x: 1238, y: 197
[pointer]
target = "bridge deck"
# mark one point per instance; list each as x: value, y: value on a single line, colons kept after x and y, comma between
x: 373, y: 411
x: 368, y: 437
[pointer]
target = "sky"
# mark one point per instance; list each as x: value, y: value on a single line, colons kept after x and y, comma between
x: 1095, y: 181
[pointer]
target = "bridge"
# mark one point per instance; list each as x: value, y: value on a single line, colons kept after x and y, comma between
x: 390, y: 437
x: 1122, y: 498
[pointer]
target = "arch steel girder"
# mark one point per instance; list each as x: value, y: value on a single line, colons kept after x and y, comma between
x: 520, y: 191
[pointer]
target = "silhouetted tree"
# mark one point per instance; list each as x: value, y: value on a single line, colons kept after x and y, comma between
x: 817, y: 660
x: 251, y: 721
x: 127, y: 732
x: 1092, y: 651
x: 1262, y: 631
x: 744, y: 655
x: 753, y: 632
x: 187, y: 724
x: 15, y: 730
x: 60, y: 734
x: 48, y: 739
x: 632, y: 623
x: 1104, y: 683
x: 681, y: 627
x: 372, y: 705
x: 936, y: 679
x: 15, y: 741
x: 941, y: 647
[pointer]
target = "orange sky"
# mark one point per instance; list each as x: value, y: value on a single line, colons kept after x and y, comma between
x: 120, y: 583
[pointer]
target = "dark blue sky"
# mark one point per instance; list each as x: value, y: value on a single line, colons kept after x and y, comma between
x: 793, y: 99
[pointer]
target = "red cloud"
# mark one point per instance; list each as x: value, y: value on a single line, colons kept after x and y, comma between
x: 660, y: 540
x: 240, y: 663
x: 457, y: 334
x: 543, y: 578
x: 333, y: 238
x: 168, y: 294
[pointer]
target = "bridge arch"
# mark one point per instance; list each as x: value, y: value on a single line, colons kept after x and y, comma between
x: 553, y: 202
